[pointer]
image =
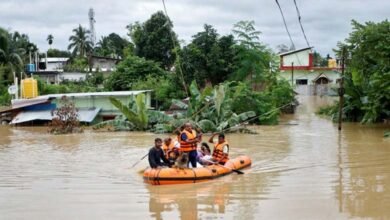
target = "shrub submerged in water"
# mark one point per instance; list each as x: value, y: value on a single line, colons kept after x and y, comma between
x: 65, y: 118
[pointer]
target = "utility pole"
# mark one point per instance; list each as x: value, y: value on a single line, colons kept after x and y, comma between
x: 292, y: 73
x: 341, y: 89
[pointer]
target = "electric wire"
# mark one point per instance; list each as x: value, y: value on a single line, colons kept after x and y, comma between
x: 285, y: 24
x: 300, y: 23
x: 177, y: 54
x: 288, y: 32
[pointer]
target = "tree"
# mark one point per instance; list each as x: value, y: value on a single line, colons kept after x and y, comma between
x: 22, y: 45
x: 134, y: 115
x: 66, y: 119
x: 211, y: 109
x: 50, y: 39
x: 208, y: 58
x: 318, y: 60
x: 130, y: 70
x: 57, y: 53
x: 80, y: 42
x: 253, y: 59
x: 155, y: 40
x: 247, y: 35
x: 163, y: 94
x: 367, y: 77
x: 104, y: 47
x: 282, y: 48
x: 10, y: 54
x: 112, y: 45
x: 119, y: 44
x: 369, y: 67
x: 14, y: 48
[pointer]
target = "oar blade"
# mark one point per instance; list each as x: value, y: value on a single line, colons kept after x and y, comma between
x: 238, y: 171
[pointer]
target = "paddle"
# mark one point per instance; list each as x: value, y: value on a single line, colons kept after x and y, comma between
x: 215, y: 163
x: 139, y: 160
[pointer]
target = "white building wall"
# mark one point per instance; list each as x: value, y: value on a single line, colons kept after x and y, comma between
x: 104, y: 65
x: 73, y: 76
x: 300, y: 59
x: 55, y: 67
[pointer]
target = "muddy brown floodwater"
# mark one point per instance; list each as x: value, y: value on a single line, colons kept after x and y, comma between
x: 302, y: 169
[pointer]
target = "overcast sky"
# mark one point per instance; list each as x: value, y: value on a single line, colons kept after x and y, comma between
x: 325, y: 21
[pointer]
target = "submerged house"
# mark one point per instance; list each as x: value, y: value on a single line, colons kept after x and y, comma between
x: 297, y: 67
x: 92, y: 107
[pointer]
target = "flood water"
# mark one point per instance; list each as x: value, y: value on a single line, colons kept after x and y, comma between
x: 302, y: 169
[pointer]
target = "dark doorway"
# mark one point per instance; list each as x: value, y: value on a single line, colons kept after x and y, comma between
x: 322, y: 80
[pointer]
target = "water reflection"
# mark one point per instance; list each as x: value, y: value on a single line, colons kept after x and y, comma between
x: 188, y: 200
x: 5, y: 134
x: 232, y: 197
x: 302, y: 169
x: 365, y: 169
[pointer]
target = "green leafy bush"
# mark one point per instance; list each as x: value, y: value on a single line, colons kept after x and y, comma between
x: 130, y: 70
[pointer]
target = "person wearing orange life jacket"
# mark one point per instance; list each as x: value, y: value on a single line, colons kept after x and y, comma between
x: 170, y: 151
x: 188, y: 140
x: 221, y: 149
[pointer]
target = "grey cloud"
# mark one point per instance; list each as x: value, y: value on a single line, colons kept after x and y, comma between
x: 325, y: 21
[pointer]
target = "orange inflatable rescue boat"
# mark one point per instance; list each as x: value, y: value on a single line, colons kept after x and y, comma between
x: 165, y: 176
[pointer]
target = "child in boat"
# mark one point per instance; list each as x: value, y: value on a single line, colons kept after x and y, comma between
x: 204, y: 155
x: 170, y: 150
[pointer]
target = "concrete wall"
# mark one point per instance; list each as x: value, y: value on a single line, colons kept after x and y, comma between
x: 319, y: 90
x: 312, y: 88
x: 300, y: 59
x: 309, y: 75
x: 75, y: 76
x: 55, y: 66
x: 104, y: 103
x: 49, y: 78
x: 103, y: 65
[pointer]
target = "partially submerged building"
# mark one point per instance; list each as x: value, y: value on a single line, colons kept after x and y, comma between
x: 298, y: 68
x: 92, y: 107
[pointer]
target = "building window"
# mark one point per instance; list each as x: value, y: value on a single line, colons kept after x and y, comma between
x: 301, y: 82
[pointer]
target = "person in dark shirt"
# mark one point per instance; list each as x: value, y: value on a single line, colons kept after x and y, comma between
x: 156, y: 154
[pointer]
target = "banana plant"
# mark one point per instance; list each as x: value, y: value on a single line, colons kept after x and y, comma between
x: 198, y: 102
x: 211, y: 109
x: 136, y: 112
x: 117, y: 124
x: 135, y: 116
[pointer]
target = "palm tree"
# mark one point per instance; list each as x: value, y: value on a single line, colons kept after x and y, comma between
x: 9, y: 55
x: 50, y: 39
x: 80, y: 42
x: 105, y: 47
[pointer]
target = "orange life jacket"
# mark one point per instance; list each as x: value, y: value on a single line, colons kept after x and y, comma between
x: 184, y: 145
x: 168, y: 150
x: 218, y: 153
